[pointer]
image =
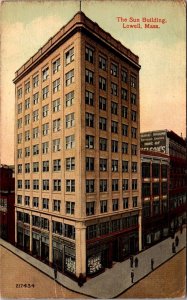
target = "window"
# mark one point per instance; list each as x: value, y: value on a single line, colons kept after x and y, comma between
x: 19, y: 168
x: 36, y: 221
x: 45, y: 203
x: 69, y: 56
x: 89, y: 164
x: 56, y: 205
x: 156, y: 189
x: 91, y: 232
x: 27, y: 135
x: 35, y: 149
x: 125, y: 203
x: 134, y: 167
x: 70, y: 163
x: 90, y: 185
x: 69, y: 77
x: 27, y: 151
x: 102, y: 63
x: 70, y: 185
x: 133, y: 82
x: 134, y: 201
x: 125, y: 184
x: 146, y: 209
x: 89, y: 55
x: 70, y: 141
x: 56, y: 125
x: 35, y: 202
x: 114, y: 146
x: 56, y: 105
x: 27, y: 87
x: 114, y: 165
x: 19, y: 199
x: 56, y: 145
x: 103, y: 206
x: 19, y: 184
x: 45, y: 147
x: 35, y: 98
x: 57, y: 227
x: 27, y: 184
x: 155, y: 170
x: 35, y: 184
x: 56, y: 66
x: 124, y: 75
x: 133, y: 116
x: 114, y: 127
x: 27, y: 103
x: 19, y: 138
x: 56, y: 85
x: 146, y: 189
x: 102, y: 103
x: 45, y: 166
x: 70, y: 120
x: 35, y: 115
x: 69, y: 99
x: 19, y: 123
x: 134, y: 184
x: 114, y: 89
x: 115, y: 186
x: 134, y: 149
x: 125, y: 166
x: 114, y: 69
x: 89, y: 141
x: 103, y: 164
x: 57, y: 185
x: 89, y: 76
x: 123, y: 94
x: 70, y: 207
x: 19, y: 153
x: 35, y: 167
x: 89, y: 98
x: 27, y: 200
x: 164, y: 188
x: 45, y: 184
x: 134, y: 132
x: 19, y: 108
x: 103, y: 185
x: 124, y: 129
x: 35, y: 81
x: 115, y: 204
x: 90, y: 208
x: 124, y: 112
x: 164, y: 171
x: 114, y: 108
x: 45, y: 74
x: 35, y: 133
x: 27, y: 168
x: 45, y: 110
x: 103, y: 144
x: 56, y: 164
x: 102, y: 123
x: 145, y: 170
x: 89, y: 119
x: 102, y: 83
x: 44, y: 223
x: 45, y: 92
x: 19, y: 93
x: 70, y: 230
x: 45, y: 129
x: 133, y: 99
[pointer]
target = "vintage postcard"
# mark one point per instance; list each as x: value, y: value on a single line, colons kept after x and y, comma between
x: 93, y: 173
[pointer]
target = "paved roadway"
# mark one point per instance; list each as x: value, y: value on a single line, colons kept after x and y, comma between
x: 166, y: 281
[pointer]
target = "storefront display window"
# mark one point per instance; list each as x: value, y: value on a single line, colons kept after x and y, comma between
x: 94, y: 263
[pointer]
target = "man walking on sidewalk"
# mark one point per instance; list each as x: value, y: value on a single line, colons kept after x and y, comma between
x: 132, y: 276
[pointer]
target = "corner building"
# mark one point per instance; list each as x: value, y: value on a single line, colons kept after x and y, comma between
x: 78, y: 203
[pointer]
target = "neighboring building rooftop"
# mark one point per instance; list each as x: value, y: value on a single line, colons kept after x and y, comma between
x: 78, y: 22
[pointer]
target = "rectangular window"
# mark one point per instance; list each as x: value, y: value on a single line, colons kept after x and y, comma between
x: 45, y: 166
x: 45, y: 92
x: 35, y: 184
x: 45, y: 185
x: 114, y: 146
x: 56, y: 85
x: 35, y: 115
x: 146, y: 189
x: 35, y: 81
x: 56, y: 145
x: 123, y: 94
x: 70, y: 185
x: 115, y: 204
x: 103, y: 206
x: 19, y: 138
x: 35, y: 202
x: 89, y: 98
x: 145, y: 170
x: 56, y: 125
x: 124, y: 75
x: 19, y: 153
x: 45, y: 129
x: 27, y: 184
x: 27, y: 103
x: 164, y: 171
x: 134, y: 201
x: 69, y: 77
x: 133, y: 116
x: 69, y: 56
x: 56, y: 105
x: 35, y: 149
x: 134, y: 184
x: 102, y: 83
x: 44, y: 223
x: 90, y: 185
x: 156, y: 188
x: 114, y: 89
x: 89, y: 55
x: 102, y: 144
x: 90, y: 208
x: 133, y: 99
x: 70, y: 207
x: 114, y: 108
x: 70, y: 163
x: 133, y: 132
x: 45, y: 147
x: 69, y: 99
x: 19, y: 199
x: 27, y: 200
x: 56, y: 205
x: 125, y: 184
x: 45, y: 74
x: 56, y: 164
x: 56, y: 66
x: 27, y: 87
x: 91, y: 232
x: 124, y: 112
x: 35, y: 167
x: 45, y: 203
x: 133, y: 81
x: 102, y: 103
x: 27, y: 151
x: 19, y: 93
x: 103, y: 164
x: 102, y: 123
x: 19, y: 184
x: 89, y: 164
x: 103, y: 185
x: 19, y: 108
x: 45, y: 110
x: 27, y: 135
x: 155, y: 170
x: 114, y: 69
x: 70, y: 142
x: 35, y: 133
x: 69, y: 229
x: 125, y: 166
x: 115, y: 185
x: 89, y: 76
x: 134, y: 167
x: 124, y: 129
x: 89, y: 119
x: 90, y: 141
x: 114, y: 165
x: 124, y: 148
x: 114, y: 127
x: 134, y: 149
x: 102, y: 63
x: 125, y: 203
x: 35, y: 98
x: 27, y: 119
x: 27, y: 168
x: 57, y: 185
x: 19, y: 168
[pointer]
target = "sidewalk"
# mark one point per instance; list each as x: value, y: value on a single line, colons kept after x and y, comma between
x: 116, y: 280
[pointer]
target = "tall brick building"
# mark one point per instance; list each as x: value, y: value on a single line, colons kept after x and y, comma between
x: 78, y: 190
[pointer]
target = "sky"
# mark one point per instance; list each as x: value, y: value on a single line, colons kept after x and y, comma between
x: 26, y: 26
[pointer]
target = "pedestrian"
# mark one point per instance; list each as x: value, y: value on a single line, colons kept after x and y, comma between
x: 55, y: 272
x: 132, y: 276
x: 131, y: 261
x: 173, y: 248
x: 136, y: 262
x: 152, y: 264
x: 176, y: 241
